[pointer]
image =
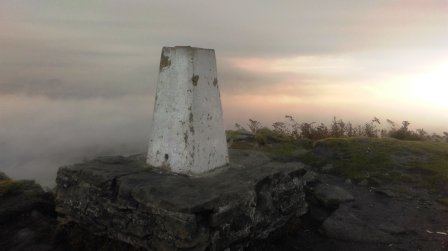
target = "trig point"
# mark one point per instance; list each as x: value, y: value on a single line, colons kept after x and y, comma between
x: 226, y: 210
x: 187, y: 127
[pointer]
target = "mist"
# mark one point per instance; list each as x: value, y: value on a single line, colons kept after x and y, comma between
x: 42, y: 134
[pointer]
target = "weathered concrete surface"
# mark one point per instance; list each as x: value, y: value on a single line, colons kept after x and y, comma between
x: 187, y: 133
x: 124, y: 199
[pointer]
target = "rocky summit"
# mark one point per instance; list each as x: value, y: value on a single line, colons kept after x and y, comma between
x: 104, y: 204
x: 124, y: 199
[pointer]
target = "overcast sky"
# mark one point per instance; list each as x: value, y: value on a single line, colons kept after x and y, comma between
x: 77, y: 78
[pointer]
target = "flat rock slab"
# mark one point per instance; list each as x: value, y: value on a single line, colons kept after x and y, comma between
x: 344, y: 225
x: 332, y: 196
x: 126, y: 200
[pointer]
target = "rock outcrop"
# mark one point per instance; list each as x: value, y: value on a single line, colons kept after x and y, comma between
x: 126, y: 200
x: 26, y: 215
x: 3, y: 176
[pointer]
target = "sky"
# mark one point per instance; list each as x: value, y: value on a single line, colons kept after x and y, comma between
x: 77, y: 78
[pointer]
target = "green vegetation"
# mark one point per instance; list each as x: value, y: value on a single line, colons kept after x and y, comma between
x: 421, y: 162
x: 360, y: 153
x: 341, y: 129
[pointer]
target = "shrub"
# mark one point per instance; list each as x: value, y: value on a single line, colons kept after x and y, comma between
x: 254, y: 125
x: 403, y: 133
x: 293, y: 130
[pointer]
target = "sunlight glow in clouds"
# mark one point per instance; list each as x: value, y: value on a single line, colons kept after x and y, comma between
x: 352, y: 84
x: 431, y: 87
x: 323, y: 64
x: 427, y: 88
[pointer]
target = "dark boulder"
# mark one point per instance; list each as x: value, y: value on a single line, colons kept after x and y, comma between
x: 27, y: 217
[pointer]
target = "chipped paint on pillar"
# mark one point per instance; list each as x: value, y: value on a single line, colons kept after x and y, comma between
x: 187, y: 133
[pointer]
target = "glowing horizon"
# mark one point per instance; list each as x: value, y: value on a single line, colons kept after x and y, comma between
x: 412, y: 93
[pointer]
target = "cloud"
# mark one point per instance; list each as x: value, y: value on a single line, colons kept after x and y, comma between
x: 234, y: 27
x: 97, y: 50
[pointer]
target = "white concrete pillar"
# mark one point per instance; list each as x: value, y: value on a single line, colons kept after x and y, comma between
x: 187, y: 127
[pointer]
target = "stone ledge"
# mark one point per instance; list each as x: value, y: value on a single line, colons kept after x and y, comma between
x: 126, y: 200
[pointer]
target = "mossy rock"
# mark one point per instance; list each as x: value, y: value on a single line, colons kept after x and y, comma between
x: 3, y: 176
x: 22, y: 197
x: 278, y: 146
x: 443, y: 201
x: 391, y: 160
x: 266, y: 136
x: 240, y: 134
x: 9, y: 187
x: 240, y: 139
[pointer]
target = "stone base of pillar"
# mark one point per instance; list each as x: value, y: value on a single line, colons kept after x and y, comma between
x: 124, y: 199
